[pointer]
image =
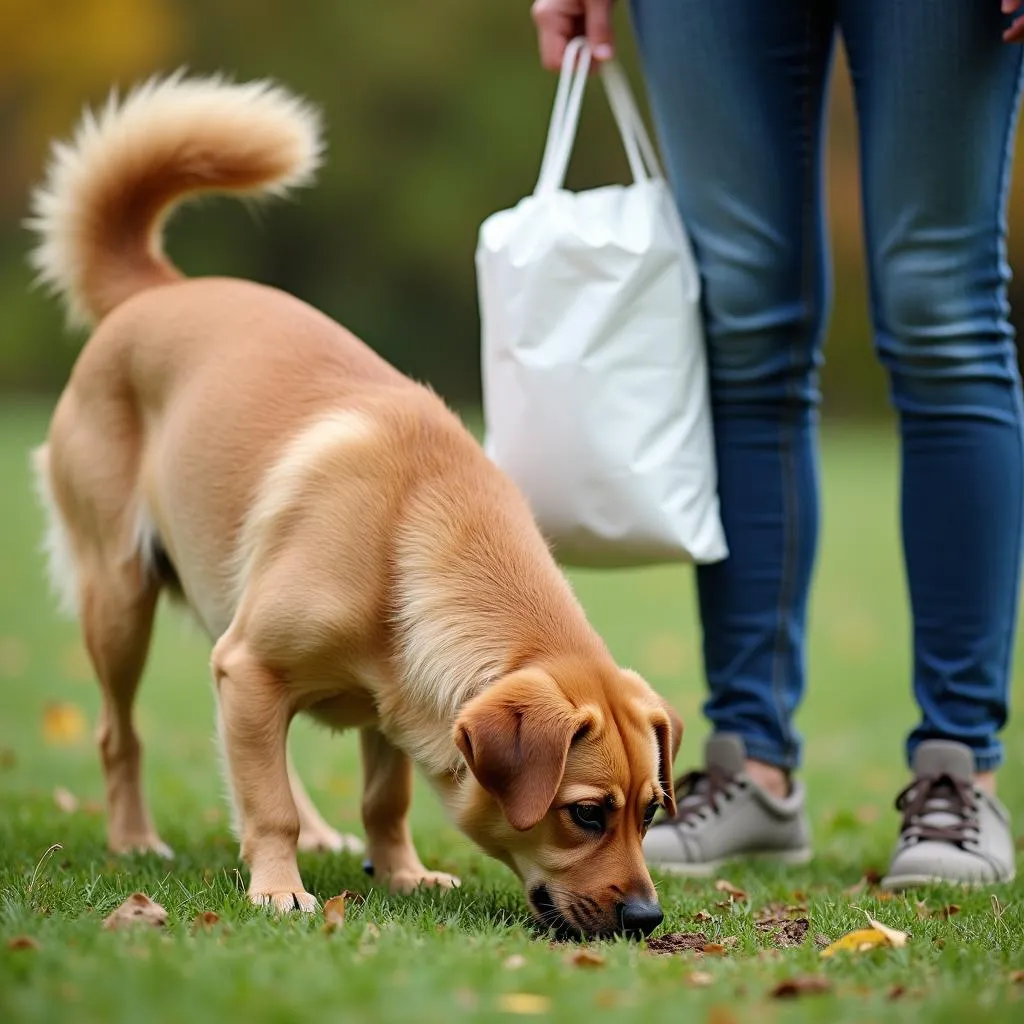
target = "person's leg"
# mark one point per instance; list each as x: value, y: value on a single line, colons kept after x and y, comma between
x: 737, y: 93
x: 937, y: 92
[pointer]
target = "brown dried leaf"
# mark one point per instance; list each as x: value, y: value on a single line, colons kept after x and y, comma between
x: 702, y: 915
x: 802, y: 985
x: 723, y: 885
x: 524, y: 1003
x: 137, y: 909
x: 65, y: 800
x: 700, y: 979
x: 20, y: 942
x: 205, y: 921
x: 677, y: 942
x: 584, y: 957
x: 334, y: 913
x: 896, y: 992
x: 948, y: 911
x: 713, y: 949
x: 63, y: 724
x: 1017, y: 977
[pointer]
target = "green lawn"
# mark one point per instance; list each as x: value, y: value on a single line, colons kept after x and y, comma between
x: 432, y: 958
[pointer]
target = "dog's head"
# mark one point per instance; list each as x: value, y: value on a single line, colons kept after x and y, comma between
x: 571, y: 762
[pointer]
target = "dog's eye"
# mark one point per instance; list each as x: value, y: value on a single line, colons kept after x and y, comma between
x: 588, y: 816
x: 652, y: 810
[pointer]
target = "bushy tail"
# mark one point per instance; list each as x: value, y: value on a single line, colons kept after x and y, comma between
x: 100, y: 212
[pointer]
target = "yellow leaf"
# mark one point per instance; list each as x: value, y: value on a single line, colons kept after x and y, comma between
x: 863, y: 939
x: 524, y: 1003
x: 856, y: 942
x: 63, y: 724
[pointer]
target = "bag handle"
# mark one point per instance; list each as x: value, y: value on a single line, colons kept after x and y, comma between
x: 572, y: 80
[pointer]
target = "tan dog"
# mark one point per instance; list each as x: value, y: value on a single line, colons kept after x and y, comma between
x: 338, y: 533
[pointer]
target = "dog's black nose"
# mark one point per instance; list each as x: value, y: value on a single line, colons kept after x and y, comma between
x: 640, y: 917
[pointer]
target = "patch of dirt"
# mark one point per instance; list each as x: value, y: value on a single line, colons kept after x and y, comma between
x: 677, y: 942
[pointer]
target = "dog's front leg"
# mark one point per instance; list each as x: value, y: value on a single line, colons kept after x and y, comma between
x: 387, y: 794
x: 255, y: 715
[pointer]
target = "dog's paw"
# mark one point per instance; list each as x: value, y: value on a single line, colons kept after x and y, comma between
x: 285, y: 902
x: 143, y: 844
x: 329, y: 841
x: 408, y: 881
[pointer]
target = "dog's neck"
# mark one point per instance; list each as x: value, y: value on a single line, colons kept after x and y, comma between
x: 462, y: 624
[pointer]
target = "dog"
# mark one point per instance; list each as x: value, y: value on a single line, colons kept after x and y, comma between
x: 335, y: 529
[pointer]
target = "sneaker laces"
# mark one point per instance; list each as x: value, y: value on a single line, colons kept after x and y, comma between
x: 698, y: 791
x: 940, y: 794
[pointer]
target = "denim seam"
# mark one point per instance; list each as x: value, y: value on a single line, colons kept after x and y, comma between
x: 995, y: 759
x: 787, y: 435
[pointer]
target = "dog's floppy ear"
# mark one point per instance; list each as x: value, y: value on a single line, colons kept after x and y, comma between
x: 668, y: 727
x: 515, y: 737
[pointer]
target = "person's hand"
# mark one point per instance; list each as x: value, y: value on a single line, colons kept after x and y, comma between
x: 1015, y: 33
x: 559, y: 21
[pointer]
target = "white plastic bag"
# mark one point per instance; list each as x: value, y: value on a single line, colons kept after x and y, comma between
x: 594, y: 370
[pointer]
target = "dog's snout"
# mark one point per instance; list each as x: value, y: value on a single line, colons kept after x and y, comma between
x: 640, y: 917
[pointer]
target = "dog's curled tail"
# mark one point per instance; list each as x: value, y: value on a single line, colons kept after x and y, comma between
x: 99, y: 213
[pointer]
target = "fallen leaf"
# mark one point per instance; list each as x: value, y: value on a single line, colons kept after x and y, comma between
x: 713, y: 949
x: 20, y: 942
x: 352, y: 898
x: 1017, y: 977
x: 205, y: 921
x: 63, y: 724
x: 948, y: 911
x: 702, y: 915
x: 802, y: 985
x: 677, y: 942
x: 65, y: 800
x: 584, y: 958
x: 700, y: 979
x: 895, y: 938
x: 721, y: 1015
x: 722, y: 885
x: 785, y: 932
x: 863, y: 939
x: 137, y: 909
x: 524, y: 1003
x: 334, y: 913
x: 896, y: 992
x: 515, y: 961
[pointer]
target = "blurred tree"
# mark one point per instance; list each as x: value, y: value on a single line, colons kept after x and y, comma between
x: 435, y: 116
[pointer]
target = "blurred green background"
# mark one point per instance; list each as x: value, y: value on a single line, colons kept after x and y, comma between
x: 435, y: 111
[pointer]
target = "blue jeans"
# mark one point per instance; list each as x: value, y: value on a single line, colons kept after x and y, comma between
x: 737, y: 93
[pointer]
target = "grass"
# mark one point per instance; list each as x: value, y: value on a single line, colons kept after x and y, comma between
x: 432, y: 958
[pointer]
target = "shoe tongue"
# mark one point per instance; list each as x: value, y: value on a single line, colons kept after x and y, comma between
x: 938, y: 757
x: 726, y: 753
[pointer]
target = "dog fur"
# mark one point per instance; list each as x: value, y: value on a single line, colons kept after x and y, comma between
x: 340, y: 536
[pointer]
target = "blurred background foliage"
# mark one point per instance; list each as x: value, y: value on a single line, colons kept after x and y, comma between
x: 435, y: 114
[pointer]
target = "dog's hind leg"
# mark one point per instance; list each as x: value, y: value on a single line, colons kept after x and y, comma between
x: 314, y: 832
x: 254, y: 717
x: 387, y: 795
x: 116, y: 609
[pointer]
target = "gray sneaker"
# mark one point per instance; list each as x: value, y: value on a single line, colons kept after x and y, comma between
x: 722, y: 814
x: 952, y: 830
